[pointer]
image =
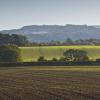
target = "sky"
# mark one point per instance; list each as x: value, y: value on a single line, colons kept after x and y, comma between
x: 17, y: 13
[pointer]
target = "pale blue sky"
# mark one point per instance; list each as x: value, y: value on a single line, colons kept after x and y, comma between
x: 17, y: 13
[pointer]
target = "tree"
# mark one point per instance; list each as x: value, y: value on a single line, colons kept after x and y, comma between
x: 76, y: 55
x: 69, y: 41
x: 9, y: 53
x: 19, y: 40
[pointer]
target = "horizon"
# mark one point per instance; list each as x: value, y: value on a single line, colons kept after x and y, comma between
x: 19, y: 13
x: 47, y: 25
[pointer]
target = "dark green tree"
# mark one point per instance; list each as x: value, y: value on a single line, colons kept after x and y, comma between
x: 76, y: 55
x: 19, y: 40
x: 13, y: 39
x: 69, y: 41
x: 9, y: 53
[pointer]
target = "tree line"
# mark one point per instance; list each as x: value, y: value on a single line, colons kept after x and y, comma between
x: 19, y: 40
x: 69, y: 41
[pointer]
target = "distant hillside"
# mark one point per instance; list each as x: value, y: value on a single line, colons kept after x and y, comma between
x: 45, y: 33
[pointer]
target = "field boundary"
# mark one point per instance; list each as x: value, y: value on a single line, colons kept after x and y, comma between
x: 47, y: 63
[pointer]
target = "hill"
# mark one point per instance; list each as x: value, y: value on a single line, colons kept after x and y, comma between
x: 46, y: 33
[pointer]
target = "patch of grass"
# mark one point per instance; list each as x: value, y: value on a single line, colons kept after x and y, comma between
x: 49, y: 52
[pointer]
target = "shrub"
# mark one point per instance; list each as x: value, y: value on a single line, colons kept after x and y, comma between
x: 62, y: 59
x: 41, y: 59
x: 54, y: 60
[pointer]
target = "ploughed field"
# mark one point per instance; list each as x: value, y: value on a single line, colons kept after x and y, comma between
x: 49, y: 52
x: 50, y: 83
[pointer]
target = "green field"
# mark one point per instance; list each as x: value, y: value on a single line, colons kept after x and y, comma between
x: 50, y: 83
x: 49, y: 52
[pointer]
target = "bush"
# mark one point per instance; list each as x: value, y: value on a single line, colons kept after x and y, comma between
x: 54, y: 60
x: 62, y: 59
x: 41, y: 59
x: 98, y: 60
x: 10, y: 53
